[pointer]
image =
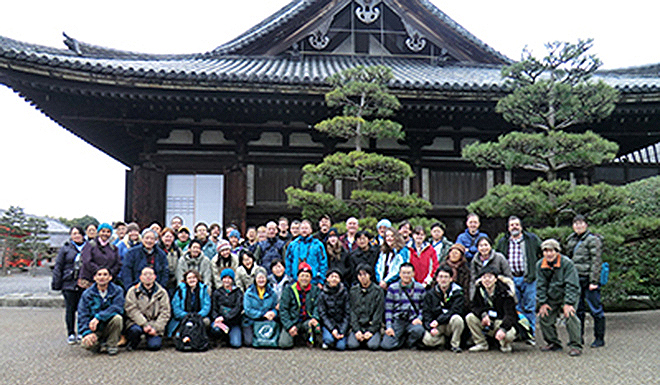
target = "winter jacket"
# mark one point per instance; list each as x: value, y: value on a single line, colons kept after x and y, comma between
x: 343, y: 265
x: 201, y: 264
x: 65, y: 276
x: 441, y: 248
x: 179, y: 305
x: 216, y: 270
x: 425, y: 262
x: 136, y: 260
x: 532, y: 252
x: 334, y: 308
x: 462, y: 279
x: 209, y: 249
x: 440, y: 307
x: 243, y: 279
x: 367, y: 308
x: 278, y: 287
x: 255, y: 308
x: 501, y: 305
x: 307, y: 249
x: 92, y: 305
x: 94, y: 256
x: 142, y: 310
x: 124, y: 245
x: 173, y: 254
x: 585, y: 251
x: 268, y: 250
x: 389, y: 272
x: 290, y: 305
x: 346, y: 244
x: 557, y: 284
x: 399, y: 307
x: 359, y: 256
x: 495, y: 260
x: 229, y: 305
x: 470, y: 242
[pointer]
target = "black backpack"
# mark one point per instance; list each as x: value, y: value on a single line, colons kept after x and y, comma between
x: 191, y: 335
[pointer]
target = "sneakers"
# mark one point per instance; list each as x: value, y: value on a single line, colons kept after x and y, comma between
x: 79, y: 339
x: 71, y: 340
x: 574, y: 352
x: 479, y: 348
x: 506, y: 348
x: 325, y: 346
x: 551, y: 348
x: 531, y: 341
x: 457, y: 349
x: 598, y: 343
x: 113, y: 350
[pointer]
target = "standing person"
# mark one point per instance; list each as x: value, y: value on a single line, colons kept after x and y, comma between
x: 325, y: 223
x: 278, y: 279
x: 585, y: 248
x: 157, y: 228
x: 223, y: 259
x: 100, y: 313
x: 298, y: 309
x: 147, y: 311
x: 460, y: 271
x: 226, y: 310
x: 183, y: 238
x: 363, y: 253
x: 337, y: 256
x: 283, y: 230
x: 348, y: 240
x: 65, y: 278
x: 259, y: 304
x: 176, y: 224
x: 310, y: 250
x: 295, y: 229
x: 557, y: 292
x: 173, y: 253
x: 90, y: 231
x: 214, y: 233
x: 403, y: 311
x: 262, y: 232
x: 334, y: 311
x: 443, y: 308
x: 367, y: 309
x: 131, y: 239
x: 193, y: 259
x: 120, y: 232
x: 393, y: 253
x: 439, y: 242
x: 192, y: 296
x: 470, y: 236
x: 271, y: 248
x: 487, y: 257
x: 142, y: 255
x: 522, y: 250
x: 405, y: 229
x: 381, y: 227
x: 246, y: 271
x: 202, y: 234
x: 99, y: 253
x: 423, y: 257
x: 250, y: 242
x: 235, y: 241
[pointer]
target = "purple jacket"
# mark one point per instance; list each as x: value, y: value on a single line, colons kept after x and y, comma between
x: 95, y: 256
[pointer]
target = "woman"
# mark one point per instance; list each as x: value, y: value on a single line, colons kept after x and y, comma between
x: 277, y: 278
x: 250, y: 241
x: 167, y: 244
x: 423, y: 257
x: 460, y: 270
x: 337, y: 255
x: 227, y: 307
x: 90, y: 231
x: 194, y: 259
x: 131, y: 239
x: 393, y: 253
x: 259, y: 304
x: 224, y: 258
x: 65, y: 278
x: 192, y: 296
x: 98, y: 253
x: 334, y: 311
x: 183, y: 238
x: 247, y: 269
x: 487, y: 257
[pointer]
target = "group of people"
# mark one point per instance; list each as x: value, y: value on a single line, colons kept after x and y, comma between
x: 283, y: 285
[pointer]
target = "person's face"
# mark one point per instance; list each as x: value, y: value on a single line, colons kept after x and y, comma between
x: 262, y: 234
x: 455, y: 255
x: 419, y: 237
x: 247, y: 261
x: 484, y: 247
x: 195, y: 250
x: 121, y: 231
x: 147, y: 277
x: 228, y: 231
x: 76, y: 236
x: 333, y: 279
x: 389, y: 239
x: 304, y: 279
x: 105, y: 234
x: 406, y: 273
x: 550, y: 255
x: 134, y: 235
x: 90, y: 232
x: 183, y: 236
x: 437, y: 233
x: 271, y: 230
x: 305, y: 229
x: 233, y: 241
x: 443, y: 279
x: 227, y: 282
x: 149, y: 240
x: 405, y: 231
x: 488, y: 280
x: 201, y: 233
x: 324, y: 224
x: 215, y: 232
x: 191, y: 280
x: 364, y: 278
x: 333, y: 240
x: 224, y: 253
x: 473, y: 225
x: 381, y: 231
x: 352, y: 225
x: 278, y: 270
x: 156, y: 227
x: 251, y: 235
x: 168, y: 238
x: 580, y: 227
x: 102, y: 277
x: 176, y: 224
x: 362, y: 241
x: 260, y: 280
x: 283, y: 226
x: 515, y: 228
x: 295, y: 229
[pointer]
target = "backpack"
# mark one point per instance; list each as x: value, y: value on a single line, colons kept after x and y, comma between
x: 191, y: 335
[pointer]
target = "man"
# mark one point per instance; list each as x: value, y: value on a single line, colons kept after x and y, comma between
x: 470, y: 236
x: 193, y: 259
x: 325, y: 223
x: 283, y: 229
x: 363, y: 253
x: 307, y: 248
x: 438, y: 240
x: 403, y: 311
x: 443, y: 306
x: 142, y: 255
x: 202, y: 233
x: 176, y: 223
x: 99, y: 313
x: 367, y: 306
x: 295, y: 229
x: 348, y: 239
x: 270, y: 249
x: 214, y: 233
x: 147, y: 311
x: 557, y: 290
x: 585, y: 248
x: 298, y: 311
x: 522, y: 250
x: 120, y: 232
x: 405, y: 229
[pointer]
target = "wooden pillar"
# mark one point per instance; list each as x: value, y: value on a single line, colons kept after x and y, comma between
x: 146, y: 195
x: 235, y: 210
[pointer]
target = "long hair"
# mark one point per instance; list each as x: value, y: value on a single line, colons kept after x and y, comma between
x: 398, y: 242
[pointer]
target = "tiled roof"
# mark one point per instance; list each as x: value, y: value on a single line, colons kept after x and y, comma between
x: 648, y: 155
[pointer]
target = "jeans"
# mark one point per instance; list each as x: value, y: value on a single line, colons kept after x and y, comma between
x: 71, y: 299
x: 135, y: 333
x: 526, y: 293
x: 372, y: 343
x: 590, y: 301
x: 330, y: 340
x: 235, y: 335
x: 404, y: 330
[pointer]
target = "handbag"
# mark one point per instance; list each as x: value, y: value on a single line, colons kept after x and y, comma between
x: 266, y: 334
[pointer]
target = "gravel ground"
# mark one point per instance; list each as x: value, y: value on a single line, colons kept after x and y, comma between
x: 23, y: 282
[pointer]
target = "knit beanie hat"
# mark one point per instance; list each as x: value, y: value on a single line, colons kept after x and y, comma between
x: 224, y: 244
x: 304, y: 267
x: 132, y: 227
x: 227, y: 272
x: 104, y: 226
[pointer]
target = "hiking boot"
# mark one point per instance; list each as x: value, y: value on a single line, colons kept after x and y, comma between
x: 551, y: 348
x: 574, y: 352
x: 479, y: 348
x: 598, y: 343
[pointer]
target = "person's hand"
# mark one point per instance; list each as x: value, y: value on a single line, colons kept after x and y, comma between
x: 320, y: 286
x: 593, y: 286
x: 544, y: 309
x: 277, y: 307
x: 569, y: 311
x: 336, y: 334
x: 270, y: 315
x: 313, y: 322
x: 293, y: 331
x: 500, y: 334
x: 367, y: 335
x: 359, y: 336
x: 89, y: 340
x: 485, y: 322
x: 434, y: 324
x: 434, y: 332
x: 93, y: 324
x: 389, y: 332
x: 383, y: 284
x: 149, y: 330
x: 417, y: 321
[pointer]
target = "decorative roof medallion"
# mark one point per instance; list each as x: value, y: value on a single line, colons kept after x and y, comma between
x: 367, y: 11
x: 415, y: 41
x: 319, y: 38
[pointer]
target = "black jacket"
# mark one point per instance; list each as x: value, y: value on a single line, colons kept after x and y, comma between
x: 358, y: 256
x: 228, y: 305
x: 334, y: 308
x: 440, y: 307
x: 64, y: 274
x: 502, y: 302
x: 367, y: 308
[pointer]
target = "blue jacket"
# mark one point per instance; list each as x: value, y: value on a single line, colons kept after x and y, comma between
x: 310, y: 250
x: 392, y: 275
x: 179, y: 305
x: 254, y: 307
x: 470, y: 242
x: 268, y: 250
x: 136, y: 260
x: 92, y: 305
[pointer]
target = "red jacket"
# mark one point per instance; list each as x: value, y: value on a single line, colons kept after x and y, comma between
x: 425, y: 262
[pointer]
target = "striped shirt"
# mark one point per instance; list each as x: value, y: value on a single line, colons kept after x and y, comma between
x: 399, y: 307
x: 516, y: 256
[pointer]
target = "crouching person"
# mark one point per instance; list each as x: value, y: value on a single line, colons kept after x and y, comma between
x: 367, y: 307
x: 334, y: 311
x: 443, y: 306
x: 493, y: 311
x: 298, y: 309
x: 100, y: 313
x: 227, y: 306
x: 147, y: 311
x: 403, y: 311
x: 192, y: 296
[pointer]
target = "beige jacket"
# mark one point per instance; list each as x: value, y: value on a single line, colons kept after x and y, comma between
x: 142, y: 310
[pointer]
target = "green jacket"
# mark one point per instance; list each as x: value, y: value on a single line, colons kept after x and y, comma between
x: 557, y: 284
x: 290, y: 305
x: 585, y: 251
x: 532, y: 249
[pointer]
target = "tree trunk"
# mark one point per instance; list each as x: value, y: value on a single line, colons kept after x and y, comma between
x: 2, y: 256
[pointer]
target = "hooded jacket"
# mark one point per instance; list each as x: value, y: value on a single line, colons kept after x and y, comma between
x: 438, y: 306
x: 425, y: 262
x: 201, y: 264
x: 229, y: 305
x: 290, y: 305
x: 334, y: 308
x: 143, y: 310
x: 93, y: 305
x: 307, y: 249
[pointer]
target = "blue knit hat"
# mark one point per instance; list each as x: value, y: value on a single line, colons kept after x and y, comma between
x: 104, y: 226
x: 384, y: 222
x: 235, y: 233
x: 227, y: 272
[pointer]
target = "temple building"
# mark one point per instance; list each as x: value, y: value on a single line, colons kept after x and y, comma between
x: 219, y: 135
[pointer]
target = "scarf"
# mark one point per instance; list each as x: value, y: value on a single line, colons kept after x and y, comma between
x: 261, y: 291
x: 192, y: 304
x: 455, y: 266
x: 102, y: 242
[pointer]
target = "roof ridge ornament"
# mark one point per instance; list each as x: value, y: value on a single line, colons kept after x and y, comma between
x: 415, y: 41
x: 319, y: 38
x: 367, y: 10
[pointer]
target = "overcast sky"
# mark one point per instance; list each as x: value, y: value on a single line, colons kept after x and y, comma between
x: 48, y: 171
